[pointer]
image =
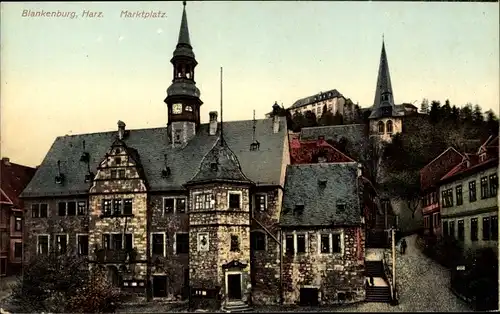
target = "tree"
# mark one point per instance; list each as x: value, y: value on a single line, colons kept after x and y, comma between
x: 338, y: 119
x: 455, y: 115
x: 424, y: 106
x: 445, y: 111
x: 327, y: 117
x: 435, y: 112
x: 63, y: 283
x: 491, y: 123
x: 466, y: 114
x: 477, y: 115
x: 310, y: 119
x: 299, y: 121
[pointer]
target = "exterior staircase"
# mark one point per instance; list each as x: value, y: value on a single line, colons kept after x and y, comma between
x: 236, y: 306
x: 380, y: 291
x: 378, y: 294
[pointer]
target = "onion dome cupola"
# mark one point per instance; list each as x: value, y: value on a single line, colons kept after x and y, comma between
x: 183, y: 97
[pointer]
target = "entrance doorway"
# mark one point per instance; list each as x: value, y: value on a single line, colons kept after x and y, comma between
x: 308, y: 296
x: 159, y: 286
x: 234, y: 286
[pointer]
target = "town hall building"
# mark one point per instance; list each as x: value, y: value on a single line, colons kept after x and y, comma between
x: 212, y: 211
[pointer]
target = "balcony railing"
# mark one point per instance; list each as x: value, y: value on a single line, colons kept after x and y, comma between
x: 115, y: 256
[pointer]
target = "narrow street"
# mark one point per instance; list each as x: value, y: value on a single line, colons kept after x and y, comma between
x: 423, y: 286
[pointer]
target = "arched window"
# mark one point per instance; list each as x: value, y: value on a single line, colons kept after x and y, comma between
x: 381, y: 127
x: 389, y: 127
x: 258, y: 240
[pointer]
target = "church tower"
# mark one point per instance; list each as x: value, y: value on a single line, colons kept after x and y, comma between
x: 385, y: 121
x: 183, y: 97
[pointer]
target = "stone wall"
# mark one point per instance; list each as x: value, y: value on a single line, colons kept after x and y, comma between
x: 51, y: 225
x: 173, y: 264
x: 331, y: 274
x: 266, y: 264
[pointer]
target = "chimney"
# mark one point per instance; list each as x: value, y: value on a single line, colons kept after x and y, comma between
x: 6, y: 161
x: 213, y: 123
x: 276, y: 124
x: 360, y: 170
x: 121, y: 129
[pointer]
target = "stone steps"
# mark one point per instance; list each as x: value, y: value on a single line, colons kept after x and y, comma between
x: 374, y: 269
x: 236, y: 307
x: 378, y: 294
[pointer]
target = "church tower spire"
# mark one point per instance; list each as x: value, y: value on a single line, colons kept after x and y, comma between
x: 183, y: 97
x: 383, y: 104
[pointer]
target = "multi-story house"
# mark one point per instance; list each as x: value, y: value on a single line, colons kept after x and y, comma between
x: 469, y: 201
x: 332, y: 99
x: 323, y: 230
x: 14, y: 178
x: 429, y: 186
x: 189, y: 208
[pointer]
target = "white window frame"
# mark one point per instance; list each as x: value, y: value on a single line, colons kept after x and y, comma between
x: 175, y: 242
x: 330, y: 238
x: 175, y: 203
x: 212, y: 205
x: 240, y: 193
x: 295, y: 242
x: 86, y: 211
x: 78, y: 243
x: 67, y: 239
x: 123, y: 239
x: 198, y: 246
x: 265, y: 201
x: 38, y: 242
x: 164, y: 234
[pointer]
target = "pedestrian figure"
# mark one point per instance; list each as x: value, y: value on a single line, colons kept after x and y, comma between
x: 371, y: 281
x: 403, y: 246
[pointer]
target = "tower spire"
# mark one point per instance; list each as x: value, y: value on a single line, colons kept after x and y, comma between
x: 184, y: 30
x: 383, y: 91
x: 221, y: 115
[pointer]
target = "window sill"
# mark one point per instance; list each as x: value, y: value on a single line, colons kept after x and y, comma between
x: 117, y: 216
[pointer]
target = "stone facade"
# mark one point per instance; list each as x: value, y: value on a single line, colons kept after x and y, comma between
x: 338, y: 277
x: 388, y: 132
x: 227, y: 231
x: 118, y: 214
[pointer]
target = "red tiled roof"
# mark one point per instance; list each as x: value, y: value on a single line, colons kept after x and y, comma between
x: 303, y: 152
x: 438, y: 167
x: 14, y: 178
x: 462, y: 167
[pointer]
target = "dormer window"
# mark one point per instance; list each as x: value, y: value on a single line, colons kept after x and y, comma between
x: 89, y: 176
x: 117, y: 151
x: 59, y: 178
x: 165, y: 172
x: 299, y: 209
x: 322, y: 183
x: 85, y: 157
x: 340, y: 206
x: 118, y: 160
x: 214, y: 166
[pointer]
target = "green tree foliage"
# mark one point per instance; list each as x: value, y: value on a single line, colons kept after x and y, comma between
x: 327, y: 118
x: 338, y: 119
x: 298, y: 121
x: 62, y: 283
x: 492, y: 122
x: 310, y: 119
x: 424, y: 106
x: 435, y: 112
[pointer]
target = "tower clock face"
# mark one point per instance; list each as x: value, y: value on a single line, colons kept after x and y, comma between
x: 177, y: 108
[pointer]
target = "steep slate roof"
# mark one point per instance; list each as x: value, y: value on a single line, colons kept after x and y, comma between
x: 152, y: 144
x: 184, y: 47
x: 227, y: 166
x: 14, y: 178
x: 315, y: 98
x: 302, y: 188
x: 383, y: 108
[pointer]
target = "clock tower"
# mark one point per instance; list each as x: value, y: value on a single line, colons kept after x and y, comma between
x: 183, y: 97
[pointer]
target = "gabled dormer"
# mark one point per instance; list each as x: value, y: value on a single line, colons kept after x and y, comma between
x: 119, y: 171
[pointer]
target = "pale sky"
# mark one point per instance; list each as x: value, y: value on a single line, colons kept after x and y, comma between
x: 70, y: 76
